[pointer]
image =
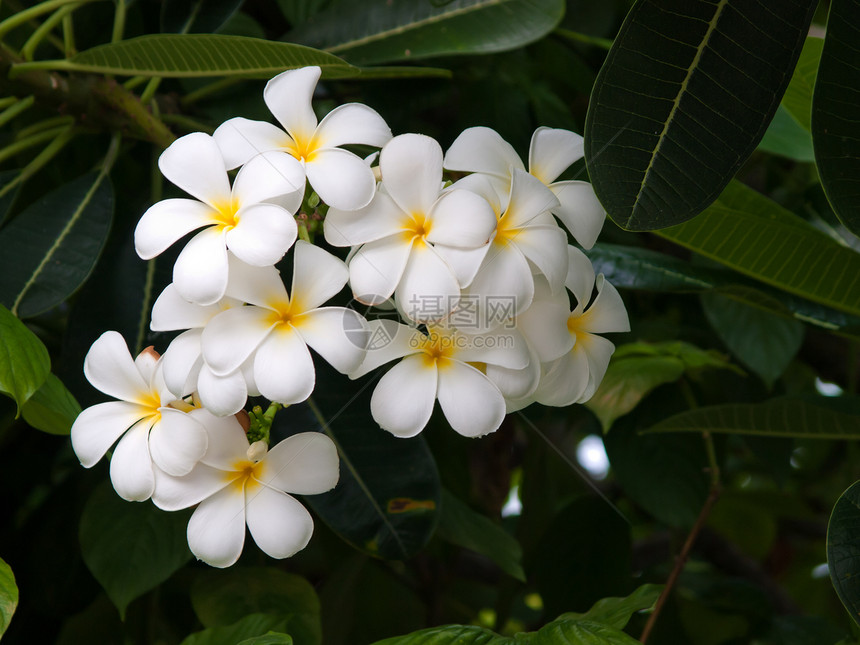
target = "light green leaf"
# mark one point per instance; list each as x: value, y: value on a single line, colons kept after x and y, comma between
x: 8, y: 595
x: 674, y: 111
x: 616, y: 612
x: 764, y: 342
x: 271, y: 638
x: 379, y: 31
x: 24, y: 359
x: 455, y: 635
x: 52, y: 409
x: 197, y: 55
x: 798, y: 95
x: 584, y: 632
x: 810, y: 417
x: 755, y: 236
x: 843, y: 550
x: 250, y: 627
x: 130, y: 547
x: 221, y: 598
x: 786, y: 137
x: 464, y: 527
x: 51, y: 248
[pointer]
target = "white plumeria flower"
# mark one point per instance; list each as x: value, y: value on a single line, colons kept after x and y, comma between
x: 276, y: 329
x: 340, y: 178
x: 237, y: 483
x: 574, y: 377
x: 184, y: 370
x: 149, y: 428
x: 440, y: 365
x: 551, y: 152
x: 398, y: 229
x: 241, y: 219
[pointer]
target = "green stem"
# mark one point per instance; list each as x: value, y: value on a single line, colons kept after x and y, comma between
x: 18, y: 106
x: 18, y: 19
x: 44, y: 125
x: 575, y: 36
x: 118, y: 22
x: 69, y: 47
x: 207, y: 90
x: 134, y: 82
x: 29, y: 48
x: 9, y: 100
x: 49, y: 152
x: 149, y: 90
x: 28, y: 142
x: 187, y: 123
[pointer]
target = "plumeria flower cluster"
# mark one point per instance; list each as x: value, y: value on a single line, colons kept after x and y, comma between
x: 496, y: 309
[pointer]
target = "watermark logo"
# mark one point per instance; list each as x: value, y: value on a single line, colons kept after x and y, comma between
x: 468, y: 312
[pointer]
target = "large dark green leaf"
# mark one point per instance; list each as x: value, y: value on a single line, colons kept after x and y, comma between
x: 130, y: 547
x: 378, y: 31
x: 387, y: 500
x: 755, y: 236
x: 52, y: 409
x: 221, y: 598
x: 252, y: 626
x: 843, y: 550
x: 675, y: 112
x: 51, y: 248
x: 197, y: 55
x: 24, y: 359
x: 835, y: 113
x: 8, y: 595
x: 464, y: 527
x: 812, y: 417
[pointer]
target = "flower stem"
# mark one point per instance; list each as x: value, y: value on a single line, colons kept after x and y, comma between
x: 15, y: 109
x: 28, y: 142
x: 18, y: 19
x: 29, y: 48
x: 49, y: 152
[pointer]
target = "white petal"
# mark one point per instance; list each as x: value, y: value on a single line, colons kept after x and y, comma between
x: 552, y: 151
x: 216, y: 530
x: 181, y: 363
x: 268, y: 175
x: 380, y: 218
x: 288, y: 97
x: 597, y: 351
x: 335, y: 333
x: 194, y: 163
x: 131, y: 466
x: 228, y: 442
x: 261, y: 286
x: 176, y: 442
x: 564, y: 380
x: 262, y: 235
x: 493, y: 189
x: 279, y: 524
x: 200, y: 272
x: 222, y: 395
x: 471, y: 403
x: 580, y: 276
x: 166, y: 221
x: 483, y: 150
x: 340, y: 178
x: 544, y: 324
x: 546, y: 247
x: 607, y: 313
x: 463, y: 262
x: 505, y: 278
x: 171, y: 311
x: 402, y: 401
x: 352, y: 123
x: 232, y: 336
x: 109, y: 367
x: 529, y: 198
x: 175, y: 493
x: 305, y: 464
x: 462, y: 219
x: 317, y: 276
x: 515, y: 385
x: 283, y: 369
x: 146, y: 363
x: 387, y: 340
x: 240, y: 140
x: 376, y: 269
x: 428, y: 289
x: 411, y: 166
x: 99, y: 426
x: 579, y: 211
x: 502, y: 346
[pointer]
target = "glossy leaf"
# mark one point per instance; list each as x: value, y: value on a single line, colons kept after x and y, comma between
x: 755, y: 236
x: 24, y: 360
x: 616, y: 612
x: 843, y: 550
x: 379, y: 31
x: 811, y: 417
x: 674, y: 114
x: 52, y: 409
x: 835, y: 113
x: 454, y: 635
x: 581, y: 632
x: 270, y: 638
x: 221, y: 598
x: 8, y: 595
x: 196, y: 16
x: 52, y: 247
x: 250, y: 627
x: 130, y: 547
x: 786, y: 137
x: 198, y: 55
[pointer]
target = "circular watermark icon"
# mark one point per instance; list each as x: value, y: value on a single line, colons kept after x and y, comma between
x: 381, y: 326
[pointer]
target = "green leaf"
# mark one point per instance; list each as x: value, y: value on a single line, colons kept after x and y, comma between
x: 52, y: 247
x: 786, y: 137
x: 464, y: 527
x: 755, y: 236
x: 674, y: 112
x: 585, y: 632
x: 379, y: 31
x: 24, y: 359
x: 843, y: 549
x: 221, y: 598
x: 403, y: 71
x: 616, y: 612
x: 52, y: 409
x: 7, y: 199
x: 800, y: 416
x: 637, y: 368
x: 8, y: 595
x: 196, y: 16
x: 454, y: 635
x: 250, y: 627
x: 798, y: 95
x: 270, y: 638
x: 378, y: 506
x: 764, y: 342
x: 198, y: 55
x: 130, y: 547
x: 835, y: 112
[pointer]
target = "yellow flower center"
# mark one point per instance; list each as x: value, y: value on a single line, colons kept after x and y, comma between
x: 302, y: 148
x: 245, y: 474
x: 415, y: 226
x: 226, y: 216
x: 438, y: 349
